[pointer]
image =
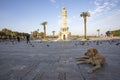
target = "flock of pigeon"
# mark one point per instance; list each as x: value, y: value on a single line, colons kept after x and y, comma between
x: 76, y: 43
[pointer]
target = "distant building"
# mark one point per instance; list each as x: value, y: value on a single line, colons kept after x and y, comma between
x: 64, y: 33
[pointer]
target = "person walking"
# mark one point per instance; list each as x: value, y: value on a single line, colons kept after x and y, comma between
x: 18, y: 38
x: 28, y: 38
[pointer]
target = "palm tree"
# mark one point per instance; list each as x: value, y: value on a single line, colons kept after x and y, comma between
x: 44, y: 25
x: 37, y: 33
x: 98, y: 30
x: 85, y: 15
x: 53, y: 33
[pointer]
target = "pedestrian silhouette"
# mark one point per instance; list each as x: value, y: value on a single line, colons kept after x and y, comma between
x: 28, y: 38
x: 18, y: 39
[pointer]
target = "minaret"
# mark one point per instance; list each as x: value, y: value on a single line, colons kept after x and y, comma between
x: 64, y: 33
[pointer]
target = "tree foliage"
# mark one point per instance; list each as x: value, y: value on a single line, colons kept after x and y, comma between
x: 85, y: 14
x: 35, y: 34
x: 114, y: 33
x: 8, y: 34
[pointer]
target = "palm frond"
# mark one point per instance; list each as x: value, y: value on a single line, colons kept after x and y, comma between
x: 44, y: 23
x: 85, y: 14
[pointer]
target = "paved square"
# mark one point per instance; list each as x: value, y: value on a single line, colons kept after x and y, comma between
x: 56, y: 60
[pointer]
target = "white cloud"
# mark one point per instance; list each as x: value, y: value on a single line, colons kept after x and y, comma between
x: 103, y: 5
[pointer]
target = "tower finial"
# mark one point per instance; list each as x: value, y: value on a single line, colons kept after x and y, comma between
x: 63, y: 7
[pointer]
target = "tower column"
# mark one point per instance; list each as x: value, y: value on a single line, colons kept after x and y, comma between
x: 64, y: 17
x: 64, y: 33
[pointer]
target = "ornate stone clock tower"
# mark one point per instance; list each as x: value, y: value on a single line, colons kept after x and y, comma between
x: 64, y: 33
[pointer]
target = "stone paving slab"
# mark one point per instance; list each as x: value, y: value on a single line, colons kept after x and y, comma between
x: 38, y: 61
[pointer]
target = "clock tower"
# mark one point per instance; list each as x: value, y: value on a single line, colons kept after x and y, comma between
x: 64, y: 33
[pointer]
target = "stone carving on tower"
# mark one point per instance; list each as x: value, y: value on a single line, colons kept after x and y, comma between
x: 64, y: 33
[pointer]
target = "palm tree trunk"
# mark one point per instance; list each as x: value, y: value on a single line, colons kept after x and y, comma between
x: 84, y: 27
x: 53, y: 34
x: 44, y: 32
x: 98, y: 33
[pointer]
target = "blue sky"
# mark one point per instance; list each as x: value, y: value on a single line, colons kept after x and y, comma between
x: 27, y: 15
